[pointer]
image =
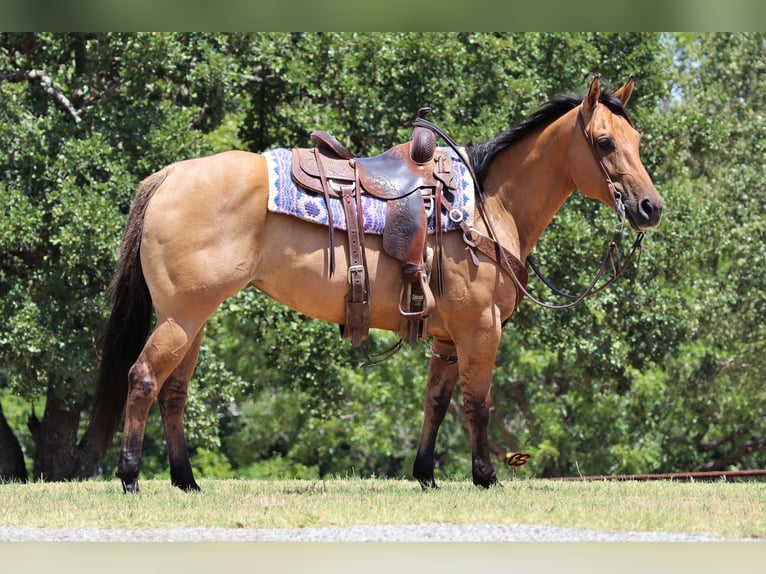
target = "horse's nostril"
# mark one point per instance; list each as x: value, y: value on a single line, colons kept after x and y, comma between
x: 647, y: 208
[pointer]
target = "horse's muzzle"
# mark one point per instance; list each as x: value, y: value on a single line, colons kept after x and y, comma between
x: 644, y: 214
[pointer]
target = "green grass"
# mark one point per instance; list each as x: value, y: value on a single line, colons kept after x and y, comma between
x: 732, y: 510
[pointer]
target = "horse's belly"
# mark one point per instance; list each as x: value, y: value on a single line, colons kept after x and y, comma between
x: 293, y: 268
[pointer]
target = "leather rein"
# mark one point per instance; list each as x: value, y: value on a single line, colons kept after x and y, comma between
x: 611, y: 258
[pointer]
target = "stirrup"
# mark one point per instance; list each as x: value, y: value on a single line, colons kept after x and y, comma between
x: 414, y: 304
x: 411, y: 319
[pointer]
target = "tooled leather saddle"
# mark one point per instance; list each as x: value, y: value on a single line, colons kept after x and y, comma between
x: 411, y: 178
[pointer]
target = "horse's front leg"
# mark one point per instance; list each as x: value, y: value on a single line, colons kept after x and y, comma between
x: 442, y: 377
x: 477, y: 359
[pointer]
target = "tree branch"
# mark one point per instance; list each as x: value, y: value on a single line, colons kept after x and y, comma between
x: 61, y: 101
x: 520, y: 398
x: 734, y: 456
x: 509, y: 439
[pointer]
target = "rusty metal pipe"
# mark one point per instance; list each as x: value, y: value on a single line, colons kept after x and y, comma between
x: 706, y: 475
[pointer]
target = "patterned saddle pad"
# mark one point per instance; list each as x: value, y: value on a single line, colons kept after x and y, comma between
x: 287, y: 198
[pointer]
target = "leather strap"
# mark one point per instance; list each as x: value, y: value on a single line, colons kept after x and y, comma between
x: 326, y: 191
x: 438, y: 200
x: 507, y: 261
x: 357, y: 301
x: 500, y: 255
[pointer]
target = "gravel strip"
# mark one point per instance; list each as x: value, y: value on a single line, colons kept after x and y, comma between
x: 377, y: 533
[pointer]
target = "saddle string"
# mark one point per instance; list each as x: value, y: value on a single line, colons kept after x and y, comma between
x: 360, y: 227
x: 438, y: 200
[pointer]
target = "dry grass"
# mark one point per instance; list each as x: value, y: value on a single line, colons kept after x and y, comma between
x: 732, y: 510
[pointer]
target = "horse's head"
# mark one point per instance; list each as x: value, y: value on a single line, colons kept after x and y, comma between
x: 605, y: 157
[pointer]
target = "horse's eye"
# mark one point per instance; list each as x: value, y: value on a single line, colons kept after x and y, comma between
x: 605, y: 144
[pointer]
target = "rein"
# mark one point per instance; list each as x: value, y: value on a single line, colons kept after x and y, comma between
x: 612, y: 255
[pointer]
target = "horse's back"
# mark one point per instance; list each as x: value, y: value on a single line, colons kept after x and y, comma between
x: 226, y: 173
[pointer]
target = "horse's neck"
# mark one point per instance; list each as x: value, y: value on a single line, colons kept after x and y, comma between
x: 529, y: 182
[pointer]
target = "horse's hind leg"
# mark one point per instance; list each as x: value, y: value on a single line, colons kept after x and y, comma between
x: 442, y: 377
x: 163, y: 352
x: 172, y: 400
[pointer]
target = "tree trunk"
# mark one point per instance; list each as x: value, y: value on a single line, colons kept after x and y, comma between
x: 12, y: 467
x: 57, y: 455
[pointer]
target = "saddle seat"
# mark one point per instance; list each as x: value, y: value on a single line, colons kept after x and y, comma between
x: 407, y: 176
x: 389, y: 175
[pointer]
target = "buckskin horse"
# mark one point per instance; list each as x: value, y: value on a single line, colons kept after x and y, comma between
x: 199, y: 231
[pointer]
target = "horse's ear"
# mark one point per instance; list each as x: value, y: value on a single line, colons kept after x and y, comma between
x: 594, y: 93
x: 625, y: 91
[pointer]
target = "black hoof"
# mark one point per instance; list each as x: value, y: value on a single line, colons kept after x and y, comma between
x: 423, y: 471
x: 486, y: 482
x: 187, y: 486
x: 428, y: 484
x: 130, y: 486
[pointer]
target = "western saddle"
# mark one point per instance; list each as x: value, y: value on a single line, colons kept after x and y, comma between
x: 411, y: 178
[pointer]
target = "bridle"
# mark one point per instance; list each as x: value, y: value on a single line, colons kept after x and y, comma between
x: 612, y: 256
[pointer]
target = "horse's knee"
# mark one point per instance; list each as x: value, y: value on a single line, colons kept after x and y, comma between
x: 438, y: 394
x: 436, y: 404
x: 476, y: 410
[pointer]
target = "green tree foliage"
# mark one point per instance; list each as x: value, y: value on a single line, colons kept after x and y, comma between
x: 659, y: 373
x: 83, y: 118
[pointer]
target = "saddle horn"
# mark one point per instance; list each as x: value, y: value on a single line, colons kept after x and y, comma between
x: 423, y: 143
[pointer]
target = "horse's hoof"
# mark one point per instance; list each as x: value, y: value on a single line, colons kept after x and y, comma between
x: 187, y: 486
x: 428, y: 484
x: 130, y: 486
x: 486, y: 482
x: 423, y: 472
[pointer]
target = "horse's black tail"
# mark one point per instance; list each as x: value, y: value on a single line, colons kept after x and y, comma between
x: 126, y: 330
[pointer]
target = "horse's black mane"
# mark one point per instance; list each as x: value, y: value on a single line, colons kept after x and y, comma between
x: 481, y: 155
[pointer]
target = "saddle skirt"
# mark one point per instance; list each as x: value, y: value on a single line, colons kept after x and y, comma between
x: 286, y: 197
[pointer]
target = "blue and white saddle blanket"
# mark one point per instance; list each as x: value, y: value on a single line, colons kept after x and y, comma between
x: 287, y: 198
